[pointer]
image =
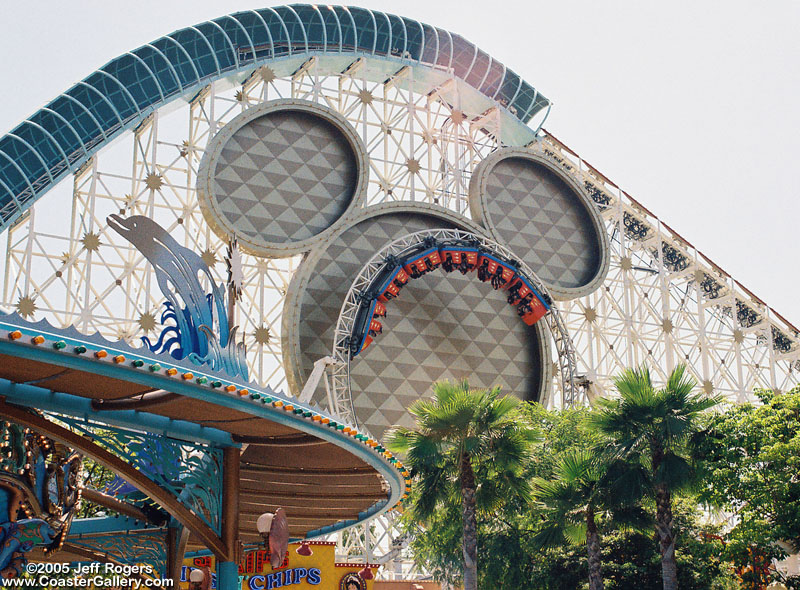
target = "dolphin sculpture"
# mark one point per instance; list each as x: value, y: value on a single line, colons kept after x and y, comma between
x: 194, y: 311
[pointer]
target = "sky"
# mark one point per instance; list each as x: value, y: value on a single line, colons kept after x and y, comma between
x: 690, y: 107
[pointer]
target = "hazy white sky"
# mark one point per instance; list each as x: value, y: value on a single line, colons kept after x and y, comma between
x: 691, y: 107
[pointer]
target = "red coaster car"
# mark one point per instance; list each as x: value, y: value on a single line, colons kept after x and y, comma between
x: 531, y: 309
x: 375, y: 328
x: 379, y: 311
x: 423, y: 263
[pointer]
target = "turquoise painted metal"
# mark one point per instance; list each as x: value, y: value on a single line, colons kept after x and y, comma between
x: 33, y: 396
x: 132, y: 547
x: 105, y: 524
x: 18, y: 337
x: 192, y: 472
x: 228, y: 576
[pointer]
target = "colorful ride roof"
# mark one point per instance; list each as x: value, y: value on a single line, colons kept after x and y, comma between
x: 325, y: 474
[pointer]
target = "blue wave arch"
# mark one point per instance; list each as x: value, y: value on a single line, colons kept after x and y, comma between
x: 60, y: 137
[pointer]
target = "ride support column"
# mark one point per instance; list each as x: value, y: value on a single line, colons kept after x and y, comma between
x: 228, y: 567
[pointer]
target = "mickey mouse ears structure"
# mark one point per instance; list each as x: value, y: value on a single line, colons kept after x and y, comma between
x: 289, y: 176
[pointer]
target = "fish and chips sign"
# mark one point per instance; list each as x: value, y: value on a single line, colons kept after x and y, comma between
x: 297, y: 572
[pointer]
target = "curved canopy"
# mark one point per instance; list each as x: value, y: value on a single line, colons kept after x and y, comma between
x: 61, y: 136
x: 298, y: 457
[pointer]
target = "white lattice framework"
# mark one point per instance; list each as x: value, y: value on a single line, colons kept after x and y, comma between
x: 108, y: 288
x: 663, y: 302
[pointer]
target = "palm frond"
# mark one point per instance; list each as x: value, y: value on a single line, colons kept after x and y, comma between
x: 575, y: 466
x: 549, y: 536
x: 398, y: 439
x: 444, y: 391
x: 435, y: 489
x: 625, y: 482
x: 632, y: 518
x: 427, y: 455
x: 674, y: 470
x: 575, y: 534
x: 680, y: 383
x: 634, y: 383
x: 501, y: 406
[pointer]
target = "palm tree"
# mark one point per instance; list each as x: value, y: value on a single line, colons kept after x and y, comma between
x: 651, y: 429
x: 469, y: 447
x: 582, y: 490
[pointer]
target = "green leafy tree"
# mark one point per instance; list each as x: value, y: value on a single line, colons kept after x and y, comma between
x: 651, y: 429
x: 751, y: 457
x: 468, y: 448
x: 583, y: 492
x: 509, y: 558
x: 631, y: 559
x: 437, y: 545
x: 97, y: 477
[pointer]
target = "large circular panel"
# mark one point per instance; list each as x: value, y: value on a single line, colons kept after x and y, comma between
x: 443, y: 326
x: 544, y: 217
x: 281, y: 175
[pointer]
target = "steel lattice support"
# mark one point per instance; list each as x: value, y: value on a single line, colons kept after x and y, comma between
x: 663, y: 302
x: 419, y: 150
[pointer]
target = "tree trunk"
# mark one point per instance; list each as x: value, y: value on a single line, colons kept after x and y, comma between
x: 593, y: 552
x: 470, y: 541
x: 666, y: 537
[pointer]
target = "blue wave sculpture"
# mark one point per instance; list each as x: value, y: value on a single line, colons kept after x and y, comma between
x: 191, y: 312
